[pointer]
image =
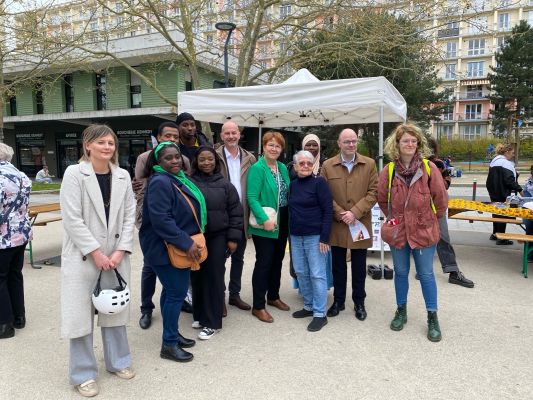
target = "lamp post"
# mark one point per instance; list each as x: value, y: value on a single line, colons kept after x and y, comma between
x: 226, y: 27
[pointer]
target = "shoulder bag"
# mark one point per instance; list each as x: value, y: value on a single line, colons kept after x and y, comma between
x: 179, y: 258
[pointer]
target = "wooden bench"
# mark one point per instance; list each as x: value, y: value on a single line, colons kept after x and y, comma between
x: 44, y: 222
x: 472, y: 218
x: 33, y: 213
x: 521, y: 238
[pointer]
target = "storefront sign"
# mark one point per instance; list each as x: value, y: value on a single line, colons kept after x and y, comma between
x: 134, y: 133
x: 68, y: 135
x: 31, y: 136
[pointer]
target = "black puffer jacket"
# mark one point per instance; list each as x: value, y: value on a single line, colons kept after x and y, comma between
x: 224, y: 209
x: 502, y: 179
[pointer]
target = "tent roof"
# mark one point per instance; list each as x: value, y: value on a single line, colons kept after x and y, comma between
x: 302, y: 100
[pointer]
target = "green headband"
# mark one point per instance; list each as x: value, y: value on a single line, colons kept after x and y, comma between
x: 163, y: 145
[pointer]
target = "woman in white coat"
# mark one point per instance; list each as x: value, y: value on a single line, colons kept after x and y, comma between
x: 98, y: 209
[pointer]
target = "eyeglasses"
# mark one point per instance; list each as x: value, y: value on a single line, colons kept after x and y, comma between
x: 409, y: 141
x: 305, y: 163
x: 349, y: 142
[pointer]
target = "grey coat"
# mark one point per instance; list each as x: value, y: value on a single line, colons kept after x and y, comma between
x: 86, y: 230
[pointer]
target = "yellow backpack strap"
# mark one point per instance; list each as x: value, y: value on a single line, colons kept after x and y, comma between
x: 428, y: 170
x: 391, y: 173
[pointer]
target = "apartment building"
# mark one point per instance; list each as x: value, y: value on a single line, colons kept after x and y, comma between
x: 468, y: 44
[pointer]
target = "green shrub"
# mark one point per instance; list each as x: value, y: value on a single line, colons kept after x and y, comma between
x: 476, y: 150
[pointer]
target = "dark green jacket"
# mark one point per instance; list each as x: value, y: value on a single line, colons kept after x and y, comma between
x: 262, y: 191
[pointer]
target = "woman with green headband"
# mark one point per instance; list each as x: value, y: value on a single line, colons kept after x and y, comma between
x: 168, y: 217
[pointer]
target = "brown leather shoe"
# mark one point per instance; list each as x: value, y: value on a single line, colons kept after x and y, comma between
x: 278, y: 304
x: 262, y: 315
x: 239, y: 303
x: 224, y: 311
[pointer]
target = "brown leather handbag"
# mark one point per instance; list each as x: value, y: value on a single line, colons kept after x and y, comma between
x: 179, y: 258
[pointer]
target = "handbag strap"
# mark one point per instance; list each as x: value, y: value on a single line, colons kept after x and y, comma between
x: 190, y: 205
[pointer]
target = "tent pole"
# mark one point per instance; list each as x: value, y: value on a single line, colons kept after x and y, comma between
x: 259, y: 139
x: 380, y: 163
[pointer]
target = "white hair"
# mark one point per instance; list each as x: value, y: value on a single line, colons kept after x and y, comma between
x: 302, y: 154
x: 6, y: 152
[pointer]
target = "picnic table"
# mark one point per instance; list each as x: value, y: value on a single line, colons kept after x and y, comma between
x: 33, y: 213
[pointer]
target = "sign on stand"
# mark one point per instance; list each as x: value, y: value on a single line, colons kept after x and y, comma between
x: 376, y: 230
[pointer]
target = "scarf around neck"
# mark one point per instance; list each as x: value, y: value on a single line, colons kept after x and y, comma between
x: 409, y: 172
x: 180, y: 176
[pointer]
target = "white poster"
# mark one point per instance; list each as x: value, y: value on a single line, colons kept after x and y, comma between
x: 376, y: 230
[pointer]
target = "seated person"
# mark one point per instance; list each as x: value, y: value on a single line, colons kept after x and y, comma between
x: 43, y: 176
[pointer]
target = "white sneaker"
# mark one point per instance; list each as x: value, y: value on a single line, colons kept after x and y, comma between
x: 196, y: 325
x: 206, y: 333
x: 88, y: 388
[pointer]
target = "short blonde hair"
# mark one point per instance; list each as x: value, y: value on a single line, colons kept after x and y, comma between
x: 274, y: 135
x: 502, y: 148
x: 6, y: 152
x: 391, y: 147
x: 94, y: 132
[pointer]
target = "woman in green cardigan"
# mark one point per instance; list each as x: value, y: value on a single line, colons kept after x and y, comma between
x: 268, y: 186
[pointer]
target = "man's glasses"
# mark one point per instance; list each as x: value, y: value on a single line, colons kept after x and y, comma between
x: 349, y: 142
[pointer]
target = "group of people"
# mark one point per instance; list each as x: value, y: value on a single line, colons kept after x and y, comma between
x: 184, y: 187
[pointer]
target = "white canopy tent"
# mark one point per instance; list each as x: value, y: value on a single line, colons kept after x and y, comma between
x: 302, y: 100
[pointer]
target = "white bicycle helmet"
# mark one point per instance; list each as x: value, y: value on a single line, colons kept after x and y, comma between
x: 111, y: 301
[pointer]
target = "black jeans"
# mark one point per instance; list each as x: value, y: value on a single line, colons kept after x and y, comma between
x: 340, y: 274
x: 208, y: 284
x: 148, y: 280
x: 237, y: 263
x: 11, y: 284
x: 269, y: 255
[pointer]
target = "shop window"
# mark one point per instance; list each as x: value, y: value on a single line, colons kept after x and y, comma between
x: 188, y: 86
x: 13, y: 106
x: 39, y: 105
x: 69, y: 93
x: 101, y: 92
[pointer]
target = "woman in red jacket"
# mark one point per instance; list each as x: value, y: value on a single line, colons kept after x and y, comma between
x: 412, y: 195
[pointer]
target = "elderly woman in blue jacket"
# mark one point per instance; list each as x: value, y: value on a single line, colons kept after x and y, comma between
x: 167, y: 217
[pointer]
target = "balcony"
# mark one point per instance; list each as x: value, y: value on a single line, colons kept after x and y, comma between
x: 472, y: 96
x: 472, y: 117
x: 451, y: 32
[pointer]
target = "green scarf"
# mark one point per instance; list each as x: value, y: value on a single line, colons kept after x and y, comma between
x: 194, y: 190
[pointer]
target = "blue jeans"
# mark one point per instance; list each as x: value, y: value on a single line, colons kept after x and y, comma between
x: 310, y: 267
x: 424, y: 268
x: 175, y: 283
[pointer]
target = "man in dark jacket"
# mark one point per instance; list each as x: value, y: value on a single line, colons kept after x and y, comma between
x: 445, y: 249
x: 236, y: 162
x: 190, y: 137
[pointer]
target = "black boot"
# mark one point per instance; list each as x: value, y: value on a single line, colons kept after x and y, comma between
x: 6, y: 331
x: 19, y: 322
x: 457, y: 278
x: 175, y: 353
x: 184, y: 342
x: 433, y: 327
x: 400, y: 318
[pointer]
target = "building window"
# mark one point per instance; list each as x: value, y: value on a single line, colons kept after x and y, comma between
x: 530, y: 18
x: 13, y: 106
x: 505, y: 3
x: 501, y: 41
x: 477, y: 25
x: 209, y: 7
x: 449, y: 71
x: 118, y: 7
x: 476, y: 47
x: 69, y: 93
x: 101, y: 92
x: 472, y: 132
x: 447, y: 114
x: 209, y: 39
x: 504, y: 22
x: 473, y: 111
x: 474, y: 92
x: 196, y: 26
x: 285, y: 10
x: 39, y: 105
x: 188, y: 86
x: 451, y: 49
x: 475, y: 69
x: 135, y: 90
x: 93, y: 26
x: 445, y: 131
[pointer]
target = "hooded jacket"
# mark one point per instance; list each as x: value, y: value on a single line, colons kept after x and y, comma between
x: 502, y: 179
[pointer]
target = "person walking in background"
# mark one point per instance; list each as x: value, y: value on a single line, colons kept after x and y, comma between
x: 352, y: 179
x: 412, y: 196
x: 445, y: 249
x: 166, y: 132
x: 223, y: 232
x: 235, y: 164
x: 268, y: 186
x: 98, y: 210
x: 502, y: 180
x: 43, y: 176
x: 311, y: 214
x: 190, y: 137
x: 173, y: 209
x: 16, y: 231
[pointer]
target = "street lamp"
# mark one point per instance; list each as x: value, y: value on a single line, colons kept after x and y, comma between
x: 226, y: 27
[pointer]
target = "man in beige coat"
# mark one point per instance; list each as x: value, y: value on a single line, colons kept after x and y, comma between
x: 352, y: 179
x: 235, y: 165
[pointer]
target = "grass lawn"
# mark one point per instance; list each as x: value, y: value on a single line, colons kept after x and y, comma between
x: 37, y: 187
